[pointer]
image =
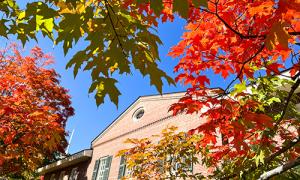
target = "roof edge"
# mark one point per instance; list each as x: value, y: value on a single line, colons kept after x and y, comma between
x: 132, y: 105
x: 80, y: 156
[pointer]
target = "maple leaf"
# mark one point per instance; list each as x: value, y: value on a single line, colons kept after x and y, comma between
x: 34, y: 109
x: 262, y: 119
x: 274, y: 67
x: 278, y: 35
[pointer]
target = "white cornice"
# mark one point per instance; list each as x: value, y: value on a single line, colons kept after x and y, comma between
x: 68, y: 161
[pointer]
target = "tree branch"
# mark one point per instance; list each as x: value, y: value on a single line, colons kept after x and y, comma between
x: 270, y: 158
x: 288, y: 99
x: 294, y: 33
x: 238, y: 33
x: 243, y: 65
x: 114, y: 28
x: 282, y: 150
x: 280, y: 169
x: 242, y: 36
x: 288, y: 146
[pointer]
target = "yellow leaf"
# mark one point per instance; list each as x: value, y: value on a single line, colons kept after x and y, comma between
x: 64, y: 8
x: 80, y: 8
x: 21, y: 15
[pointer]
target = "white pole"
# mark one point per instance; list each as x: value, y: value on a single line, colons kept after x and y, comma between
x: 69, y: 143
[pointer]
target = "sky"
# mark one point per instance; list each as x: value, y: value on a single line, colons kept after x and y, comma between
x: 90, y: 120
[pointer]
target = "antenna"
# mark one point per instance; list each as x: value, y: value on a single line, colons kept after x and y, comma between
x: 69, y: 143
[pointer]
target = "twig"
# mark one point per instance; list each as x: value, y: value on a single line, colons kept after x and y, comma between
x: 270, y: 158
x: 241, y: 71
x: 280, y: 169
x: 114, y: 28
x: 288, y: 99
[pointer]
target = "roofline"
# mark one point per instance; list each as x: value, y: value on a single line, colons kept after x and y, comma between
x: 127, y: 109
x: 85, y: 154
x: 114, y: 120
x: 137, y: 100
x: 131, y: 106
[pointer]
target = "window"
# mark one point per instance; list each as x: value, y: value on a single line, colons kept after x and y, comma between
x: 122, y: 168
x: 138, y: 114
x: 96, y: 166
x: 176, y: 164
x: 74, y: 174
x: 101, y: 168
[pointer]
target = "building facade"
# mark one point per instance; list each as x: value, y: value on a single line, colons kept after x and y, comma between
x: 70, y: 168
x: 147, y: 116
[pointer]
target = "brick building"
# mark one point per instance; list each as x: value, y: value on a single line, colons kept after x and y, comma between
x: 148, y: 115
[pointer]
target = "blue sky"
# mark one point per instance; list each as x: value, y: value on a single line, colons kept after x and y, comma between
x: 89, y: 120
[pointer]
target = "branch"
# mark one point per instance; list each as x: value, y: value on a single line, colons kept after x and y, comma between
x: 282, y: 150
x: 294, y: 33
x: 114, y: 28
x: 243, y: 65
x: 280, y: 169
x: 288, y: 99
x: 238, y: 33
x: 291, y: 144
x: 269, y: 159
x: 242, y: 36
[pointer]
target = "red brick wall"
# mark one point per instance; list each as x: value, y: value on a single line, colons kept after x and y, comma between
x: 155, y: 119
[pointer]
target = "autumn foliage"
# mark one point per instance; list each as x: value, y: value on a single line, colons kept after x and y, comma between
x: 170, y: 155
x: 34, y: 109
x: 254, y: 46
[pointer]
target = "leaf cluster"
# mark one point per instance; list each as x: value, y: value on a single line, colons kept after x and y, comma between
x: 118, y: 38
x: 172, y: 157
x: 34, y: 109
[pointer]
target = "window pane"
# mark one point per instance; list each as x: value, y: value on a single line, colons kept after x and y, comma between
x: 104, y: 167
x: 122, y: 167
x: 74, y: 174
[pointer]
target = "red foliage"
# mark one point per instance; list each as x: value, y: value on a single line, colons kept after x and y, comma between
x: 34, y: 109
x: 232, y: 38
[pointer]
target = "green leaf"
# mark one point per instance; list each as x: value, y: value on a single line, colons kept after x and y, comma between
x: 22, y: 15
x: 273, y: 99
x: 156, y: 77
x: 11, y: 3
x: 181, y: 7
x: 259, y: 158
x: 238, y: 88
x: 3, y: 28
x: 76, y: 61
x: 157, y: 6
x: 199, y: 3
x: 70, y: 31
x: 106, y: 86
x: 105, y: 53
x: 49, y: 24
